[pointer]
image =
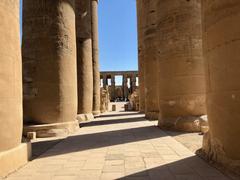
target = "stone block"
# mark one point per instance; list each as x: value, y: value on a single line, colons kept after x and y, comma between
x: 15, y: 158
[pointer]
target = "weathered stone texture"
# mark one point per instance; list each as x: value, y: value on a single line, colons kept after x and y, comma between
x: 221, y: 34
x: 181, y: 69
x: 10, y: 76
x: 95, y: 51
x: 105, y: 100
x: 49, y: 59
x: 134, y: 100
x: 141, y: 22
x: 150, y: 60
x: 84, y: 56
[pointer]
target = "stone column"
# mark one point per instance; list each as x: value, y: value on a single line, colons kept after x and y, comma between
x: 141, y: 10
x: 84, y: 60
x: 13, y: 153
x: 105, y: 83
x: 10, y: 76
x: 181, y: 70
x: 49, y: 58
x: 221, y: 34
x: 133, y: 84
x: 96, y: 73
x: 113, y: 87
x: 125, y: 87
x: 150, y: 61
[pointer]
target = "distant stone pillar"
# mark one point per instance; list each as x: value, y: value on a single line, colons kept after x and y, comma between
x: 125, y: 87
x: 141, y: 21
x: 221, y: 34
x: 113, y: 87
x: 95, y: 49
x: 10, y: 78
x: 105, y: 83
x: 181, y: 70
x: 84, y: 59
x: 150, y: 62
x: 134, y: 81
x: 49, y: 58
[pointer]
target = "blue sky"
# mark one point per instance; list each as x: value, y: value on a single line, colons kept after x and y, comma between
x: 117, y: 35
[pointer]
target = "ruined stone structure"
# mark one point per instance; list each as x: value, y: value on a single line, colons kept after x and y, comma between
x: 95, y: 60
x: 84, y: 60
x: 134, y: 100
x: 221, y: 35
x: 49, y: 61
x: 126, y: 75
x: 181, y: 70
x: 105, y: 100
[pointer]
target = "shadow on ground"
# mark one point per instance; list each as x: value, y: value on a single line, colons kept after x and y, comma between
x: 191, y: 168
x: 119, y: 115
x: 103, y: 139
x: 112, y: 121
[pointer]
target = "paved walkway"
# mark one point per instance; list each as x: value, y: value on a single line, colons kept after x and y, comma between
x: 118, y: 146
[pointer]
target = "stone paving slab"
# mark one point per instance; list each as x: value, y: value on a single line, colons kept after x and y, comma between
x: 118, y: 146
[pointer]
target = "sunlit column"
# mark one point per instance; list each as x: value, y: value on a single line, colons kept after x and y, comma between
x: 95, y: 51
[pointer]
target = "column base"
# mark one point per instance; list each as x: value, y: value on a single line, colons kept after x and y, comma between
x: 52, y: 130
x: 13, y: 159
x: 96, y: 113
x: 185, y: 124
x: 152, y: 115
x: 213, y: 152
x: 85, y: 117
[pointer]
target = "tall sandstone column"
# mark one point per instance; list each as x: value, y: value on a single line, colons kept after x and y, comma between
x: 221, y: 34
x: 84, y: 59
x: 150, y: 61
x: 13, y: 153
x: 95, y: 50
x: 49, y: 57
x: 141, y: 23
x: 181, y: 69
x: 10, y: 77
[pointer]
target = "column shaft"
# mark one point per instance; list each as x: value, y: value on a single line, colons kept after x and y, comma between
x: 221, y: 34
x: 105, y: 81
x: 10, y: 77
x: 125, y: 87
x: 150, y: 61
x: 84, y: 58
x: 181, y: 70
x: 141, y: 23
x: 49, y: 58
x: 95, y: 48
x: 113, y: 87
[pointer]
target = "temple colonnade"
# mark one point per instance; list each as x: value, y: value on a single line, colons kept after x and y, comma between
x: 129, y: 83
x: 188, y: 67
x: 58, y: 72
x: 195, y: 45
